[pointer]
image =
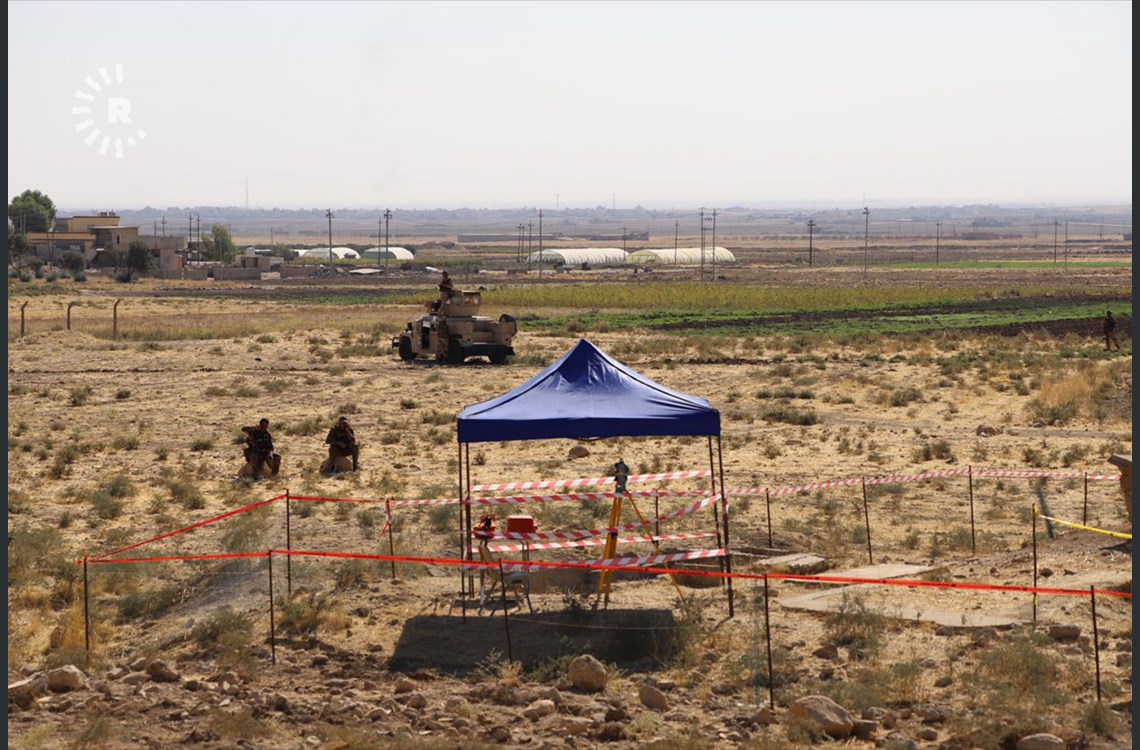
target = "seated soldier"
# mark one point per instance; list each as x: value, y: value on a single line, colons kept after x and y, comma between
x: 259, y: 449
x: 342, y: 444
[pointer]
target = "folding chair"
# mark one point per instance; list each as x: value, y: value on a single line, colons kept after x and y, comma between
x: 501, y: 580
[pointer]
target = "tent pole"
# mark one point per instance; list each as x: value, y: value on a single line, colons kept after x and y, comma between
x: 467, y: 504
x: 712, y: 481
x: 724, y: 502
x: 716, y: 512
x: 462, y: 540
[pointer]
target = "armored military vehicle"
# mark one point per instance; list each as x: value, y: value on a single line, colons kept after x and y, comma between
x: 452, y: 331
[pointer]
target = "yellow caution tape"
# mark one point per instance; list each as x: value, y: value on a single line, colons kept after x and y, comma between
x: 1070, y: 524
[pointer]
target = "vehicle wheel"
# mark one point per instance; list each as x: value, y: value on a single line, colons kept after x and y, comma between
x: 504, y: 318
x: 454, y: 352
x: 498, y: 358
x: 405, y: 349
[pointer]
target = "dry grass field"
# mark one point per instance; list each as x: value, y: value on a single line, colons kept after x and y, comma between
x: 818, y: 374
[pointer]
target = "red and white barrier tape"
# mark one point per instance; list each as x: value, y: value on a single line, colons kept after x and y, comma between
x: 595, y: 541
x: 791, y: 490
x: 900, y: 478
x: 432, y: 501
x: 787, y: 490
x: 588, y: 533
x: 587, y: 481
x: 698, y: 554
x: 1033, y: 474
x: 514, y: 499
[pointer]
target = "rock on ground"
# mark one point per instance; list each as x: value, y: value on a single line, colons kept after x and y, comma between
x: 67, y: 677
x: 653, y: 698
x: 587, y: 673
x: 1041, y: 742
x: 825, y: 713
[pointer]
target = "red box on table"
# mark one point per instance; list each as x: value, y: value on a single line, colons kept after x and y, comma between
x: 521, y: 525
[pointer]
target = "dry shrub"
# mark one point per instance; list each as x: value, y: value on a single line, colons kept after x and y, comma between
x: 98, y: 730
x: 856, y: 625
x: 303, y: 613
x: 1021, y: 681
x: 237, y: 724
x: 68, y: 632
x: 36, y: 596
x: 227, y: 636
x: 1070, y: 393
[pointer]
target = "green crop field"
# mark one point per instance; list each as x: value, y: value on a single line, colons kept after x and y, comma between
x: 1019, y: 264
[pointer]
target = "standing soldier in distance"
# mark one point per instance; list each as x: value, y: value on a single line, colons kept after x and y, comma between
x: 621, y: 476
x: 1110, y: 332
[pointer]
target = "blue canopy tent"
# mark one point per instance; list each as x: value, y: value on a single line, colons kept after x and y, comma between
x: 588, y: 394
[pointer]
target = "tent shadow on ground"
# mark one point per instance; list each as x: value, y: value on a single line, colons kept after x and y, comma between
x: 444, y: 643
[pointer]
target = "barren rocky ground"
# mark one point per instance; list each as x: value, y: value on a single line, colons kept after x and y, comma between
x: 113, y: 442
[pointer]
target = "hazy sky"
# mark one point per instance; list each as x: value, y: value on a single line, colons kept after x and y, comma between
x: 542, y: 103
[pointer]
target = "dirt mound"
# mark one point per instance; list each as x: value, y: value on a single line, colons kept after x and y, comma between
x: 70, y: 338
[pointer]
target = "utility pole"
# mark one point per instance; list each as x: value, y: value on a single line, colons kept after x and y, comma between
x: 811, y: 231
x: 380, y: 240
x: 190, y: 235
x: 1055, y: 225
x: 1066, y: 246
x: 623, y: 233
x: 676, y: 233
x: 866, y: 237
x: 702, y: 243
x: 387, y: 252
x: 163, y: 226
x: 937, y: 240
x: 714, y: 244
x: 529, y: 242
x: 522, y: 236
x: 329, y: 216
x: 540, y: 244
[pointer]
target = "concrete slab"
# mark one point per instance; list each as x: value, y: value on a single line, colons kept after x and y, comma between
x: 831, y: 599
x: 798, y: 563
x: 883, y: 570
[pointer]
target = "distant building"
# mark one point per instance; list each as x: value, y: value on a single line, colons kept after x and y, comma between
x: 96, y: 236
x: 50, y: 246
x: 85, y: 223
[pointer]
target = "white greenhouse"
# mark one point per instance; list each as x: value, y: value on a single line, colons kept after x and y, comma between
x: 394, y: 253
x: 576, y: 256
x: 338, y: 253
x: 682, y: 256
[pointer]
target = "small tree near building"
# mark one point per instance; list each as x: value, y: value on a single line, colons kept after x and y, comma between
x: 220, y: 245
x: 32, y: 211
x: 17, y: 251
x: 73, y: 262
x: 137, y: 260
